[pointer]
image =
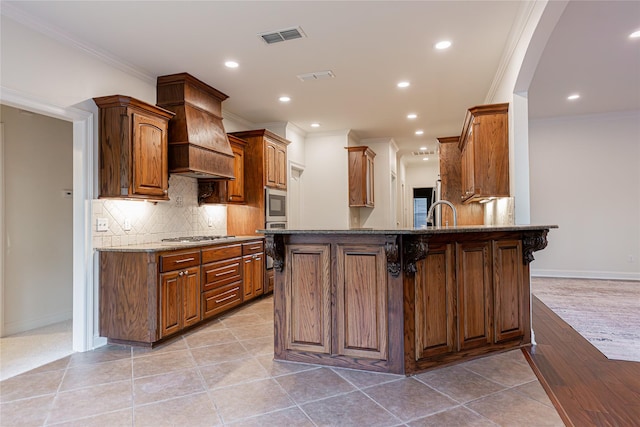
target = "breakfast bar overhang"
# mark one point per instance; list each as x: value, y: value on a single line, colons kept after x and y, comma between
x: 401, y: 301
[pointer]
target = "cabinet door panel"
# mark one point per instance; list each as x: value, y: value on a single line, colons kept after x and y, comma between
x: 308, y: 298
x: 362, y: 301
x: 435, y: 303
x: 170, y: 307
x: 248, y: 277
x: 474, y: 294
x: 191, y: 296
x: 508, y: 288
x: 281, y: 162
x: 270, y: 167
x: 149, y: 155
x: 235, y: 188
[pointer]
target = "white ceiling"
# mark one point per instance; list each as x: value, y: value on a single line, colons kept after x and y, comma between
x: 369, y: 46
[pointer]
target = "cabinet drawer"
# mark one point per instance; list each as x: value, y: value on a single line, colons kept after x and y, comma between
x: 252, y: 248
x: 220, y: 273
x: 221, y: 299
x: 219, y: 253
x: 175, y: 261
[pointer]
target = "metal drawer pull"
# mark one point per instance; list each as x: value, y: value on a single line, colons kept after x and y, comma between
x: 222, y: 273
x: 180, y: 261
x: 224, y: 299
x: 256, y: 247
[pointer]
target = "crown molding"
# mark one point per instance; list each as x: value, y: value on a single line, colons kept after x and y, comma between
x: 57, y: 34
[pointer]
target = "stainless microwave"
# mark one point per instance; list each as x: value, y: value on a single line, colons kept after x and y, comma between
x: 275, y: 205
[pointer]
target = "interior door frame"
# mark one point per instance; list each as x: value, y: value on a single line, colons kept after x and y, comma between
x: 84, y: 293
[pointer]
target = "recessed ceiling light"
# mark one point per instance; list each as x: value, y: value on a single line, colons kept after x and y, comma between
x: 425, y: 158
x: 423, y: 148
x: 635, y: 35
x: 315, y: 125
x: 231, y: 64
x: 284, y: 99
x: 573, y: 97
x: 419, y: 132
x: 404, y: 84
x: 444, y: 44
x: 412, y: 116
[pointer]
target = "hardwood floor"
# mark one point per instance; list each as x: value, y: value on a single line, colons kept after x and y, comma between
x: 586, y: 388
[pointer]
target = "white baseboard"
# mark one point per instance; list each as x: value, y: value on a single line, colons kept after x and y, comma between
x: 570, y: 274
x: 24, y: 325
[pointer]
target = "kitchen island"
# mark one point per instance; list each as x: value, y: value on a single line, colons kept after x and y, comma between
x: 401, y: 301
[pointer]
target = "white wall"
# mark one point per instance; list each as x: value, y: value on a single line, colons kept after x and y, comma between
x: 38, y: 165
x: 421, y: 175
x: 384, y: 213
x: 326, y: 186
x: 585, y: 177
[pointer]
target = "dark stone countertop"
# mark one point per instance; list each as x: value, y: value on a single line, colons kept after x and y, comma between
x: 413, y: 231
x: 172, y: 246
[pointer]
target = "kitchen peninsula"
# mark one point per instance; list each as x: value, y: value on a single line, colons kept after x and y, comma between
x: 401, y: 301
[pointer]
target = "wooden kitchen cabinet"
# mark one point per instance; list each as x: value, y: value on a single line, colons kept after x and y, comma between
x: 509, y: 291
x: 435, y: 303
x: 221, y: 279
x: 276, y: 163
x: 307, y: 295
x: 358, y: 321
x: 484, y: 144
x: 473, y: 272
x: 253, y: 269
x: 147, y: 296
x: 221, y: 191
x: 469, y: 297
x: 180, y: 291
x: 361, y: 173
x: 132, y: 151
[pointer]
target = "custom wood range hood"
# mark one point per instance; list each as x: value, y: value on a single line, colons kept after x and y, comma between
x: 198, y: 143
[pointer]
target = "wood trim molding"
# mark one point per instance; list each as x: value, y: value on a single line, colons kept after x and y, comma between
x: 393, y: 255
x: 274, y: 247
x: 533, y: 241
x: 414, y: 249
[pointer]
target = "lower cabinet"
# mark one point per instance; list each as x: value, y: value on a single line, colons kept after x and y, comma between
x: 356, y: 326
x: 468, y: 297
x: 179, y: 300
x: 147, y: 296
x: 179, y: 292
x: 221, y: 279
x: 253, y: 269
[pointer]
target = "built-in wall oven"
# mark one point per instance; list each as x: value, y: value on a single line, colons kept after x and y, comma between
x: 275, y: 213
x: 275, y: 205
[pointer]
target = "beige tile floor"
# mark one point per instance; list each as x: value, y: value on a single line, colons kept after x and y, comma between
x: 224, y: 374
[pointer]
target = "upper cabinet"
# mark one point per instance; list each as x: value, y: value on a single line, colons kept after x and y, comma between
x: 361, y: 162
x: 484, y: 144
x: 275, y: 153
x: 226, y: 191
x: 132, y: 148
x: 268, y: 155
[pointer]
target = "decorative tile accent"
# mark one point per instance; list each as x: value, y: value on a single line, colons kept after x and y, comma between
x: 151, y: 222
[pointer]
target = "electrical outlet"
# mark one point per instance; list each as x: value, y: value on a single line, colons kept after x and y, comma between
x: 102, y: 224
x: 210, y: 222
x: 127, y: 224
x: 179, y: 201
x: 631, y: 259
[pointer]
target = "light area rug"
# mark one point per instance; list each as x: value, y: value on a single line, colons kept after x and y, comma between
x: 605, y: 312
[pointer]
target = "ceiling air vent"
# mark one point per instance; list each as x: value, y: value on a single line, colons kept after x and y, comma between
x: 425, y: 152
x: 317, y: 75
x: 282, y: 35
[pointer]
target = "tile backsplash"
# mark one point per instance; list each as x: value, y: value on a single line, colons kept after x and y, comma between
x: 149, y: 222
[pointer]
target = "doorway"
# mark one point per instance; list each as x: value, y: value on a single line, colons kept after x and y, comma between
x: 84, y: 283
x: 422, y: 200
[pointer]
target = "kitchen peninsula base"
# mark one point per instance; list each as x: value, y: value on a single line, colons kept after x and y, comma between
x: 401, y: 301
